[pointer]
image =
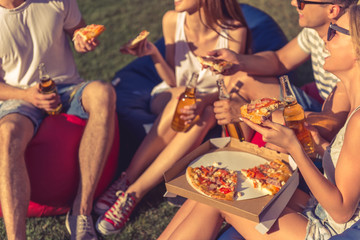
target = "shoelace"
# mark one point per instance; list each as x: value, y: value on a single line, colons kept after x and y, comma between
x: 118, y: 184
x: 83, y: 224
x: 120, y: 209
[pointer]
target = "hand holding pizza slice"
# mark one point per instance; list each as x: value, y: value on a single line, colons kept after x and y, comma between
x: 89, y: 32
x: 137, y: 40
x: 217, y: 66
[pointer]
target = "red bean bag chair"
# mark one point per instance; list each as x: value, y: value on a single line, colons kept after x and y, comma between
x: 53, y: 166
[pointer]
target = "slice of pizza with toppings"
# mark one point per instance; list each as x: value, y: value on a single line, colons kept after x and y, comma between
x: 139, y: 38
x: 217, y: 66
x: 268, y: 177
x: 255, y: 110
x: 89, y: 32
x: 214, y: 182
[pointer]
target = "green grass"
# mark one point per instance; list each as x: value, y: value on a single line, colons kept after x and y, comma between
x: 123, y: 20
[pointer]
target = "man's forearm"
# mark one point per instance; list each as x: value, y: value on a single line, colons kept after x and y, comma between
x: 10, y: 92
x: 263, y: 64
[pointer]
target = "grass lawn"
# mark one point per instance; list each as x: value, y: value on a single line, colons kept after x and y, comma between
x: 123, y: 20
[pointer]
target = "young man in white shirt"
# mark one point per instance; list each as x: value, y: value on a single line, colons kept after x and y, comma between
x: 34, y: 32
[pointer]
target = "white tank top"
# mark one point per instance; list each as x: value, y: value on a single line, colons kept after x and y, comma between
x: 186, y: 62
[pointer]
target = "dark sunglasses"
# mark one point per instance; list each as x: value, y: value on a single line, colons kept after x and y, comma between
x: 301, y: 3
x: 333, y: 28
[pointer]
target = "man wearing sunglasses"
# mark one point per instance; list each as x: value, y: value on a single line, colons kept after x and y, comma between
x: 315, y: 17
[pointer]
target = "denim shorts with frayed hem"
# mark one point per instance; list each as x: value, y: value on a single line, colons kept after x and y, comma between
x: 70, y: 95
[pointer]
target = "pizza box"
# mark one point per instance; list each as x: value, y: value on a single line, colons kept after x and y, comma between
x: 263, y: 209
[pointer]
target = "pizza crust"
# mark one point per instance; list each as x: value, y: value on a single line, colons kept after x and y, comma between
x: 140, y: 37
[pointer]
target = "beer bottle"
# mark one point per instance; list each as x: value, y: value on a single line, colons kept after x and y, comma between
x: 294, y: 117
x: 185, y: 99
x: 47, y: 86
x: 231, y: 129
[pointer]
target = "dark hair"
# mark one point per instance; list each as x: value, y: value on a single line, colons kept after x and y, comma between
x: 344, y: 4
x: 226, y: 14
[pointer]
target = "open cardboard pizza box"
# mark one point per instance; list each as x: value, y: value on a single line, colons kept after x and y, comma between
x: 264, y: 209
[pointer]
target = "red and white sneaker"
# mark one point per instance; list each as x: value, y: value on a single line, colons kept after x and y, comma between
x: 108, y: 198
x: 116, y: 217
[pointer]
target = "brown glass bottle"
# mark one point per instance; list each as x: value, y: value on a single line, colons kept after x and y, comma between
x: 185, y: 99
x: 294, y: 116
x: 231, y: 129
x: 48, y: 86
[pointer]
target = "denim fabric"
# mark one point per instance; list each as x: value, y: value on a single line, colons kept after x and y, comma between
x: 70, y: 96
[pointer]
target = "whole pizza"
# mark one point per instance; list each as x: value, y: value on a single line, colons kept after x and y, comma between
x: 214, y: 182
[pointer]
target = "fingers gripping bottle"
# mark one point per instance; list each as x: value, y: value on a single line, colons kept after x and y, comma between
x: 232, y: 129
x: 185, y: 99
x: 47, y: 86
x: 294, y: 117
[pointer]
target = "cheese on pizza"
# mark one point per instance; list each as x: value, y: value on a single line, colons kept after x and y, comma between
x: 214, y: 182
x: 216, y: 65
x: 257, y: 109
x: 268, y: 177
x: 89, y: 32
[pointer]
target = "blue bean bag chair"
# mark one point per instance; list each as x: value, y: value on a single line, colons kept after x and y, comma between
x: 135, y: 81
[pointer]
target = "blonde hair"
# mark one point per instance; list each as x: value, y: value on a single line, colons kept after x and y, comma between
x: 354, y: 16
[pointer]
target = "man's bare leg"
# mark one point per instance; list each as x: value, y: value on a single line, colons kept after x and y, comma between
x: 15, y: 133
x: 98, y: 100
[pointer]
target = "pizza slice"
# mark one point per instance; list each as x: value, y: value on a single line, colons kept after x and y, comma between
x: 218, y: 66
x: 257, y: 109
x: 268, y: 177
x: 89, y: 32
x: 214, y: 182
x: 140, y: 37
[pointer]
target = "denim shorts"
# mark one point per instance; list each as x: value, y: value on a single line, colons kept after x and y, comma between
x: 70, y: 95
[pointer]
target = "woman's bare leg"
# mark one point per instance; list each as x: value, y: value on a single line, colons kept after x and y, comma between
x: 180, y: 145
x: 180, y: 215
x: 158, y: 137
x: 203, y: 222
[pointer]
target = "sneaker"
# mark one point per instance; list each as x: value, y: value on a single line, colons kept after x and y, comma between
x: 108, y: 198
x: 80, y: 227
x: 116, y: 217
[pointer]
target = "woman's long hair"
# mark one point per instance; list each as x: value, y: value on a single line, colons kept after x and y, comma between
x: 226, y: 14
x: 354, y: 16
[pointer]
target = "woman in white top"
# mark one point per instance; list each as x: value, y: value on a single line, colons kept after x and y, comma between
x: 193, y: 29
x: 334, y: 206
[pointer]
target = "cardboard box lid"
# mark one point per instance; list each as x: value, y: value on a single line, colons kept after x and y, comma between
x: 175, y: 179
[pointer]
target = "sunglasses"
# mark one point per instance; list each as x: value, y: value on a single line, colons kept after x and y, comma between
x: 301, y: 3
x: 333, y: 28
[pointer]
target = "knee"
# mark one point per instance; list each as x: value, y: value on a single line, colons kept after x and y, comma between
x: 15, y: 133
x: 99, y: 95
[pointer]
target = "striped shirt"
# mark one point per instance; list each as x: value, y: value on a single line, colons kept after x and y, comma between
x: 310, y: 42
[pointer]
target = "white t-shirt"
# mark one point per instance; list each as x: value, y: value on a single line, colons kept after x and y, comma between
x: 310, y: 42
x: 33, y: 33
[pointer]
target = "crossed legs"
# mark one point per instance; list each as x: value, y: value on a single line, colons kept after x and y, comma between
x: 162, y: 147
